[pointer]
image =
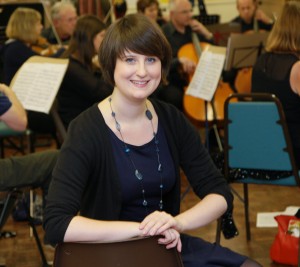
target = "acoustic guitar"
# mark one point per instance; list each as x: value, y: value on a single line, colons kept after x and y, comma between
x: 196, y: 108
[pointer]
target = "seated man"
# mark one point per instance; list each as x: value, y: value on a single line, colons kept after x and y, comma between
x: 179, y: 31
x: 64, y: 17
x: 251, y: 17
x: 32, y: 170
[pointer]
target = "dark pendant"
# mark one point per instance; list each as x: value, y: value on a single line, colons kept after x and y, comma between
x: 149, y: 114
x: 118, y: 126
x: 138, y: 175
x: 159, y: 167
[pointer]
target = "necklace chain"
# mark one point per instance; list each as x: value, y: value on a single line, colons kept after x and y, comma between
x: 137, y: 173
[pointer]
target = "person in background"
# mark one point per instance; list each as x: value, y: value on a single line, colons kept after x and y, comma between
x: 150, y: 8
x: 126, y: 154
x: 178, y: 32
x: 32, y: 170
x: 64, y: 17
x: 252, y: 18
x: 168, y: 92
x: 82, y: 85
x: 23, y: 30
x: 278, y: 70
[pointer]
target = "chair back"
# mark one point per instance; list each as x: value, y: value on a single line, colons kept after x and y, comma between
x: 145, y: 252
x: 256, y: 135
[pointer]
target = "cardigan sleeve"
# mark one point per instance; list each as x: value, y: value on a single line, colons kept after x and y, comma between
x: 193, y: 158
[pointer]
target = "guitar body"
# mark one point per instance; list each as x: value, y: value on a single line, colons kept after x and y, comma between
x: 194, y: 107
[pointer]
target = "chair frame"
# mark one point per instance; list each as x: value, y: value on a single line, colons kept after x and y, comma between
x: 282, y: 121
x: 135, y: 252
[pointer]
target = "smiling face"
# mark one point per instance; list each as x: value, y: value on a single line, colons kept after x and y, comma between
x: 137, y: 76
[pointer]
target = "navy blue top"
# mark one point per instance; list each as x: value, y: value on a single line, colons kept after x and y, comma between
x: 145, y: 159
x: 5, y: 104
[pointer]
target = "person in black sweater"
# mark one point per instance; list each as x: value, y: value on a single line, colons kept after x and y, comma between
x: 82, y: 85
x: 278, y: 70
x: 126, y: 154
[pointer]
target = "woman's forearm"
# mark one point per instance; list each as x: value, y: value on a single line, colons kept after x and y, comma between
x: 207, y: 210
x: 82, y: 229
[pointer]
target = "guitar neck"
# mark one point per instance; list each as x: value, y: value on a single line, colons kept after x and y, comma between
x: 196, y: 44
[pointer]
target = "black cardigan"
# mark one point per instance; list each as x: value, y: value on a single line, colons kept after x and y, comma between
x: 85, y: 179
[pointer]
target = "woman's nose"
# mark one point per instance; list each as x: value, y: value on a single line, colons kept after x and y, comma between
x: 141, y: 70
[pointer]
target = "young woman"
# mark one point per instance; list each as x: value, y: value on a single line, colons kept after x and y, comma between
x: 278, y: 70
x: 126, y: 153
x: 82, y: 85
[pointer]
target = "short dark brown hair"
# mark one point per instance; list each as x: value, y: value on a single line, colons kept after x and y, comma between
x: 135, y: 33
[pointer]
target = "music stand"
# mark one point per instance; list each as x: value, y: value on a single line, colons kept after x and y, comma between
x: 244, y: 49
x: 222, y: 31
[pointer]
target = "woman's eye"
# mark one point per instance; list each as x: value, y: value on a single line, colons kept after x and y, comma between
x: 151, y: 59
x: 129, y: 60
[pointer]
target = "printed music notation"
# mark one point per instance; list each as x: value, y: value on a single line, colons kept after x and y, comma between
x: 207, y: 74
x: 37, y: 82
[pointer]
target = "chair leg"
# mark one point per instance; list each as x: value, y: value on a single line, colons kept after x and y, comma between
x: 36, y: 236
x: 218, y: 233
x: 246, y: 205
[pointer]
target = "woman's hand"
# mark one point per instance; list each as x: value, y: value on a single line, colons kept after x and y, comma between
x: 171, y: 238
x: 157, y: 222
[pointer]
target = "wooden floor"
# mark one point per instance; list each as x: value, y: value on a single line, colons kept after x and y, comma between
x: 21, y: 251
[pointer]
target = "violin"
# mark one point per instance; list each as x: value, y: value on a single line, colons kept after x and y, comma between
x: 197, y: 109
x: 44, y: 48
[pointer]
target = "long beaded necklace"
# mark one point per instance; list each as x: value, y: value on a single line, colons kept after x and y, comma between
x: 137, y: 173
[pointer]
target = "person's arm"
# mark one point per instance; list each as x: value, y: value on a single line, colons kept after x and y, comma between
x: 82, y: 229
x: 88, y: 230
x: 199, y: 28
x: 260, y: 15
x: 204, y: 212
x: 295, y: 78
x: 15, y: 117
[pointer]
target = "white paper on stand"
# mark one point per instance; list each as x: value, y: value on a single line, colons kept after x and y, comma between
x: 207, y: 75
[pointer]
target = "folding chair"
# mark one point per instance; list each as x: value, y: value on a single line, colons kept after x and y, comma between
x: 134, y: 252
x: 6, y: 206
x: 257, y: 143
x: 8, y: 203
x: 7, y: 134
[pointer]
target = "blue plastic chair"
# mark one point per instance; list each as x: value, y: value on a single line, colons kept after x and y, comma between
x: 257, y: 138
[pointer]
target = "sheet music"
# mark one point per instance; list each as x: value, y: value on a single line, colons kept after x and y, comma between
x: 207, y: 75
x: 36, y: 84
x: 266, y: 219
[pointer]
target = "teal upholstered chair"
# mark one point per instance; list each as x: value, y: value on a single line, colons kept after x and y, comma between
x: 257, y: 144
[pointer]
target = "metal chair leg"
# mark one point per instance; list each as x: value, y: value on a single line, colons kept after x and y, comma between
x: 246, y: 204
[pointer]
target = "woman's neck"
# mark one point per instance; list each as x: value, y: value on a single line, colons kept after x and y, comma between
x: 128, y: 110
